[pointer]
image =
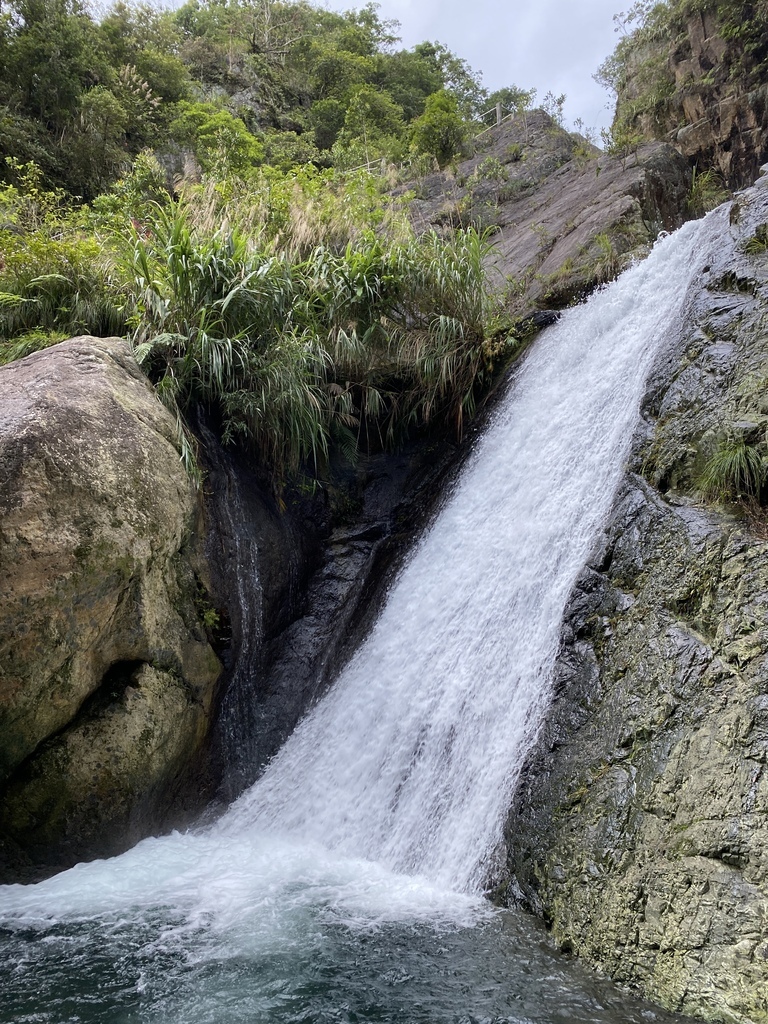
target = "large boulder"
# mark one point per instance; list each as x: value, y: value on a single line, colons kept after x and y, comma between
x: 106, y: 674
x: 640, y: 828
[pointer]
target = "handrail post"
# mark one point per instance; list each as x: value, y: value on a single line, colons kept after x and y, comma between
x: 498, y: 113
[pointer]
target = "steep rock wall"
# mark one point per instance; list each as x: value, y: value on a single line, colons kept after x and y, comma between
x: 566, y: 217
x: 700, y: 86
x: 640, y: 827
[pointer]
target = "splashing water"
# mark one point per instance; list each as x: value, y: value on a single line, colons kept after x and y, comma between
x: 384, y: 807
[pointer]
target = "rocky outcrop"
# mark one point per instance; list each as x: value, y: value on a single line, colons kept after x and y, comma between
x: 106, y: 674
x: 699, y: 85
x: 565, y: 217
x: 717, y: 117
x: 640, y: 827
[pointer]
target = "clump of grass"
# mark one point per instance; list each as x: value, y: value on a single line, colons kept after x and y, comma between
x: 757, y: 244
x: 338, y: 350
x: 27, y: 343
x: 707, y: 191
x: 607, y: 265
x: 736, y: 470
x: 58, y: 284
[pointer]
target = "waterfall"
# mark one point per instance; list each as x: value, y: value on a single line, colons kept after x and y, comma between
x: 346, y: 883
x: 406, y: 768
x: 410, y: 761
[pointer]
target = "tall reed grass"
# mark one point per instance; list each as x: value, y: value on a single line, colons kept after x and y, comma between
x: 319, y: 329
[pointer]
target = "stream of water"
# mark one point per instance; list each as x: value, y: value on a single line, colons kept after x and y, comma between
x: 346, y: 884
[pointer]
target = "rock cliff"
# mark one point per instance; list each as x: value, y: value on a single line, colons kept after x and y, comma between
x: 694, y: 76
x: 565, y: 216
x: 106, y: 674
x: 640, y: 827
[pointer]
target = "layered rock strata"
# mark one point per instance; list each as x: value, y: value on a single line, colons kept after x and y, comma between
x: 565, y: 216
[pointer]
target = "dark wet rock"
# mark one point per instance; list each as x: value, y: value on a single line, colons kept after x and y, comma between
x: 317, y: 572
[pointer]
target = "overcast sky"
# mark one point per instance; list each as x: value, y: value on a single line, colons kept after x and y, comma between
x: 546, y: 44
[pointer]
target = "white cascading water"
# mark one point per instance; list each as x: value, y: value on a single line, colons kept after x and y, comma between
x: 411, y: 759
x: 404, y: 771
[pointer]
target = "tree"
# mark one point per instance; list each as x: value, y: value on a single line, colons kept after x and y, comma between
x: 440, y: 131
x: 372, y: 122
x: 457, y: 76
x: 327, y: 119
x: 95, y: 146
x: 409, y: 78
x: 338, y: 72
x: 512, y: 98
x: 52, y: 54
x: 220, y: 140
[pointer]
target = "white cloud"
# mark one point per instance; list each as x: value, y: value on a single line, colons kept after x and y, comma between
x: 547, y: 44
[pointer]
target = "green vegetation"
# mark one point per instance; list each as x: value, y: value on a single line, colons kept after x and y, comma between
x: 198, y: 180
x: 757, y: 245
x: 349, y: 347
x: 233, y: 84
x: 299, y: 307
x: 707, y: 191
x: 736, y: 470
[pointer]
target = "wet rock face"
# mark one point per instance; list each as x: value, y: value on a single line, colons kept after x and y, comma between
x: 640, y: 828
x: 314, y: 576
x: 106, y: 674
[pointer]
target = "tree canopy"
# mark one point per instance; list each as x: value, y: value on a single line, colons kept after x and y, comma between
x: 238, y: 81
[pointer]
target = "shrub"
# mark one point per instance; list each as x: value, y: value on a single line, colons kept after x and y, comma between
x: 340, y: 348
x: 440, y: 131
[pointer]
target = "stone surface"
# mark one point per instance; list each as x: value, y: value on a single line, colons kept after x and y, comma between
x: 315, y: 576
x: 565, y: 216
x: 716, y: 110
x: 640, y: 827
x: 106, y: 673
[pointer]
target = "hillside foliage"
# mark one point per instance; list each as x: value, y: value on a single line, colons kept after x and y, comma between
x: 298, y: 308
x: 233, y: 84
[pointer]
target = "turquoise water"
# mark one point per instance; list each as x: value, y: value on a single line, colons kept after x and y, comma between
x: 500, y: 971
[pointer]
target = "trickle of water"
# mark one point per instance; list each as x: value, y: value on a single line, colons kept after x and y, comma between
x: 236, y: 725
